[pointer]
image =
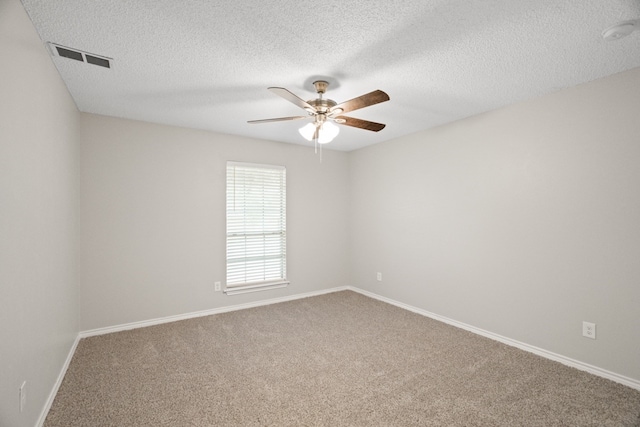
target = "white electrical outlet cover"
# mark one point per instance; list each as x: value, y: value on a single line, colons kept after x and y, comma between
x: 589, y: 330
x: 23, y: 396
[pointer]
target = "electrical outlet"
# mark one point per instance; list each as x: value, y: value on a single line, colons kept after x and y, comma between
x: 23, y: 395
x: 217, y: 286
x: 589, y: 330
x: 379, y: 277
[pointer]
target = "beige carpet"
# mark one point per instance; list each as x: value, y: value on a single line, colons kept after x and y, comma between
x: 340, y: 359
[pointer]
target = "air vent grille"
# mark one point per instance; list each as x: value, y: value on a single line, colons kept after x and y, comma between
x: 72, y: 54
x: 79, y: 55
x: 96, y: 60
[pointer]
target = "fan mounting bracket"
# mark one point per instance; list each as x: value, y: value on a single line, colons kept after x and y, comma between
x: 321, y: 86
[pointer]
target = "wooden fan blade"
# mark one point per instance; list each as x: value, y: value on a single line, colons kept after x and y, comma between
x: 278, y: 119
x: 280, y: 91
x: 371, y: 98
x: 359, y: 123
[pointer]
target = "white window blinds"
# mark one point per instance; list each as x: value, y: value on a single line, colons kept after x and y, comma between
x: 256, y: 225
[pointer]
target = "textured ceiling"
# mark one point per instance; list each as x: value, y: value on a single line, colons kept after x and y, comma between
x: 207, y: 64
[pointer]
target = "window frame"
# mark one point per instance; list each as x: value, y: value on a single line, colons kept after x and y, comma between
x: 256, y: 235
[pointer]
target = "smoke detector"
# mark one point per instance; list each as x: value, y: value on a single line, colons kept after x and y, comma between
x: 620, y: 30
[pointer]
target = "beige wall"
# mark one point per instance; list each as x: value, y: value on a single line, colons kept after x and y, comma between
x: 153, y: 219
x: 523, y: 222
x: 38, y: 195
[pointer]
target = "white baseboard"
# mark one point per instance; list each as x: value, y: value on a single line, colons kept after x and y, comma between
x: 629, y: 382
x: 158, y: 321
x: 56, y: 386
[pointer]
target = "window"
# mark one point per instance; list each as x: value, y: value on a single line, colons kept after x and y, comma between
x: 256, y: 227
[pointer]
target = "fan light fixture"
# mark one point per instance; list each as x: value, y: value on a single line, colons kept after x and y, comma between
x: 327, y: 131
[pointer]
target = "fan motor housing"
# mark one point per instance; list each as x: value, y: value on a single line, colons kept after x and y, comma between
x: 322, y: 105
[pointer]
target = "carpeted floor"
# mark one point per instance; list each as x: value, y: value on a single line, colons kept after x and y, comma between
x: 340, y: 359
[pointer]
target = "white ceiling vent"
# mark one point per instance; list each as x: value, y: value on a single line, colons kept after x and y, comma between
x: 79, y: 55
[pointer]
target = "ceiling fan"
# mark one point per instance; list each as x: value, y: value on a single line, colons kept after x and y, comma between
x: 325, y: 111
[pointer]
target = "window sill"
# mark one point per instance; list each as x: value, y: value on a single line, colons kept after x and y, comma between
x: 237, y: 290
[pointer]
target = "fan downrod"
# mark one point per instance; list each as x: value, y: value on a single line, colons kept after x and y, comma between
x: 321, y: 105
